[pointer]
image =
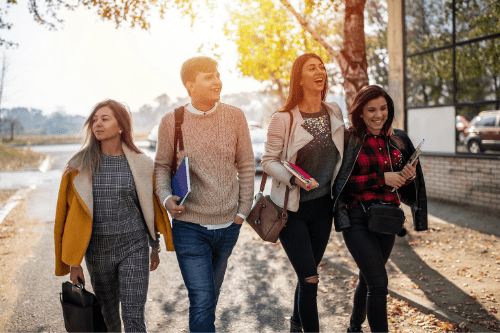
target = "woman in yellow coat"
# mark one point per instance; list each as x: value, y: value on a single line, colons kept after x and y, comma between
x: 107, y: 212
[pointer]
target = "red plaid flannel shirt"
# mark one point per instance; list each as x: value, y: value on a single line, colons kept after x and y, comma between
x: 367, y: 181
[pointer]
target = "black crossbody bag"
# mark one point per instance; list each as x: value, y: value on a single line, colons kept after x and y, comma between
x: 386, y: 218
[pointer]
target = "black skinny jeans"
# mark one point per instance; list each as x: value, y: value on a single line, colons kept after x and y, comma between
x: 304, y: 239
x: 370, y: 250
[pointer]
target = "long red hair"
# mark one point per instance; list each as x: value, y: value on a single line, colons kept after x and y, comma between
x: 296, y: 93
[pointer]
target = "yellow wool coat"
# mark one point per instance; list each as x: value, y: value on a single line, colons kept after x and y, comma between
x: 73, y: 224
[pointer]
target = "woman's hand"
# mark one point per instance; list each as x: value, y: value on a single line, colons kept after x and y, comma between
x: 173, y: 208
x: 300, y: 183
x: 75, y: 273
x: 154, y: 262
x: 394, y: 179
x: 409, y: 170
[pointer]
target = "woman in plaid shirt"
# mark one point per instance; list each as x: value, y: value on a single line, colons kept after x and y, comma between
x: 373, y: 164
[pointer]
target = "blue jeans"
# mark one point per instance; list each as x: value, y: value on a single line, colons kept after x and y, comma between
x: 202, y: 255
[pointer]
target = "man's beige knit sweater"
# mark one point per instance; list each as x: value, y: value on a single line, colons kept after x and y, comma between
x: 221, y: 163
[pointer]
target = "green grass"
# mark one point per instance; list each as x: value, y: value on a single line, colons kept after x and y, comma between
x: 53, y: 139
x: 14, y: 159
x: 42, y: 140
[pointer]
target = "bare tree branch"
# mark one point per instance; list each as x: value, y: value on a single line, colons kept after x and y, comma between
x: 309, y: 29
x: 352, y: 58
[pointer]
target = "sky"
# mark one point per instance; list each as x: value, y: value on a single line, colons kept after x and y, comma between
x: 88, y: 60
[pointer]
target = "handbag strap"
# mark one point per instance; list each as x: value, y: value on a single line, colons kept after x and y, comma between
x: 390, y: 163
x: 179, y: 118
x: 264, y: 176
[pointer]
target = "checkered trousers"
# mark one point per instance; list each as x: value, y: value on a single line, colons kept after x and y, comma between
x: 119, y: 272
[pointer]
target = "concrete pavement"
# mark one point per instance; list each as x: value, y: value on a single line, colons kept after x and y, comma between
x: 259, y: 282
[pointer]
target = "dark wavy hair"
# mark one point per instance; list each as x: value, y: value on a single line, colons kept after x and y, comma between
x: 363, y: 96
x: 296, y: 93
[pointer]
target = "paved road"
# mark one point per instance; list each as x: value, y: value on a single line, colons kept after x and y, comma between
x: 257, y: 291
x: 37, y: 308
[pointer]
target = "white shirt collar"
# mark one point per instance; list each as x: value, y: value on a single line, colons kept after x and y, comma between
x: 190, y: 107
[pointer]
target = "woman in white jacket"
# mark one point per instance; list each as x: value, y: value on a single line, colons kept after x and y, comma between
x: 316, y: 144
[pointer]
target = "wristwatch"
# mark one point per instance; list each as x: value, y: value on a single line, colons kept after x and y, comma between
x: 292, y: 181
x: 156, y: 251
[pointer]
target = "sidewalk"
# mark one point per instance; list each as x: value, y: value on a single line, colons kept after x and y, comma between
x: 445, y: 279
x: 450, y: 270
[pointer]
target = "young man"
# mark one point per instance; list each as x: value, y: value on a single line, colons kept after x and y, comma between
x: 206, y: 227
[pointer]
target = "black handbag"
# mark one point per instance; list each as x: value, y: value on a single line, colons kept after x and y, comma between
x: 386, y: 219
x: 81, y: 309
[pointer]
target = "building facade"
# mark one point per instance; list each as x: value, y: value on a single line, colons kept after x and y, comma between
x: 444, y: 76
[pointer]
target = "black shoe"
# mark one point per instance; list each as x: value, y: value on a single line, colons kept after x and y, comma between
x: 354, y: 329
x: 295, y: 327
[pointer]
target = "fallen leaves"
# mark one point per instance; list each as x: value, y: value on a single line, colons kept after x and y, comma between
x: 400, y: 313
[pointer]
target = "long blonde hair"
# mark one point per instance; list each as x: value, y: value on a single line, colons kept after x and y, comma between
x: 87, y: 159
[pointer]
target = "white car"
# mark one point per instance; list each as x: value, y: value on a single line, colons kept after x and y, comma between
x: 153, y: 136
x: 258, y: 136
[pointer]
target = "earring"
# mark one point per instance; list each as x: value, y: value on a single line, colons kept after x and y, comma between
x: 120, y: 131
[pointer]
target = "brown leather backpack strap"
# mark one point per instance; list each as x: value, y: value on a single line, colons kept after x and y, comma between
x: 179, y: 118
x: 263, y: 182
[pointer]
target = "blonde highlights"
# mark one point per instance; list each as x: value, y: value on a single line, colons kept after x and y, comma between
x: 87, y: 159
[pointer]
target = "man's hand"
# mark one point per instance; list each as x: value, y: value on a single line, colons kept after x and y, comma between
x: 172, y: 208
x: 155, y: 261
x: 394, y: 179
x: 238, y: 219
x: 76, y: 272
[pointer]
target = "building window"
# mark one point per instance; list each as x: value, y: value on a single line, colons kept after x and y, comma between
x: 452, y: 59
x: 429, y: 79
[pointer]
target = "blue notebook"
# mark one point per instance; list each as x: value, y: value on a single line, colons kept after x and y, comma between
x: 181, y: 183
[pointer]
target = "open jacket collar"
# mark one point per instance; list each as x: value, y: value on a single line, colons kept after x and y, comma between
x: 302, y: 137
x: 142, y: 169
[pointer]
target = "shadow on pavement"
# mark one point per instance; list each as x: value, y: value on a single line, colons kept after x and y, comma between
x: 437, y: 288
x: 482, y: 220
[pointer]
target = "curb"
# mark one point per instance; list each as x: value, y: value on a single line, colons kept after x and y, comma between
x: 419, y: 303
x: 13, y: 201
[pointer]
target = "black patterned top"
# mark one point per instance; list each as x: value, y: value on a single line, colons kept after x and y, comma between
x: 319, y: 156
x: 116, y: 205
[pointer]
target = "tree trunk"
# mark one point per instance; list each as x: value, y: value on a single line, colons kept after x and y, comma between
x: 352, y: 58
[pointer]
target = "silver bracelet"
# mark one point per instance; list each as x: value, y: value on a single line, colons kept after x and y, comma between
x: 156, y: 251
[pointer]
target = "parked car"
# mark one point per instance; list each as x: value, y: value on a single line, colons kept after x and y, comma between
x: 461, y: 124
x: 258, y: 136
x: 483, y: 132
x: 153, y: 136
